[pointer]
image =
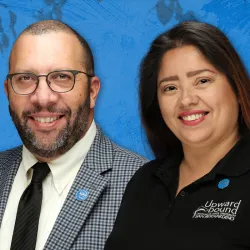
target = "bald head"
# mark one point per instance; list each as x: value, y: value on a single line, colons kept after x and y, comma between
x: 47, y: 26
x: 54, y: 26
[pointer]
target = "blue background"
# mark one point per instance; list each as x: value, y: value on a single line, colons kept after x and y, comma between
x: 119, y: 32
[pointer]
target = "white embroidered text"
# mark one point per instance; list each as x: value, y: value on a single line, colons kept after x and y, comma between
x: 222, y: 210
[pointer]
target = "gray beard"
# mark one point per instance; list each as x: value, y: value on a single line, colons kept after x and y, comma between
x: 66, y: 138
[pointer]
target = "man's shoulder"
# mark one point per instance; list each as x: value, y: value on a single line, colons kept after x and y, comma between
x: 125, y: 154
x: 120, y: 156
x: 11, y: 154
x: 10, y: 157
x: 126, y: 161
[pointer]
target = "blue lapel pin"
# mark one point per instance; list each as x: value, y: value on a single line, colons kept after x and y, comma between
x: 223, y: 183
x: 82, y: 194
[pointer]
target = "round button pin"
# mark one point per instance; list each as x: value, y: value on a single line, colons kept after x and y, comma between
x: 223, y: 183
x: 82, y: 194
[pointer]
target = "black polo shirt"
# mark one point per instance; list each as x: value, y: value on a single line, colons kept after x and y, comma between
x: 211, y: 213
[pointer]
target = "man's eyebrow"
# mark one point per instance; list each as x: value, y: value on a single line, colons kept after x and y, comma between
x: 189, y: 74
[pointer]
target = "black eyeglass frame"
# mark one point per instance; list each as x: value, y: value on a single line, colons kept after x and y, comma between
x: 74, y: 72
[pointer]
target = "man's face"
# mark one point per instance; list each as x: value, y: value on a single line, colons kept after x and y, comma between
x: 50, y: 123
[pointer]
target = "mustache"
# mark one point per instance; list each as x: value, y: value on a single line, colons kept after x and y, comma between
x: 50, y: 109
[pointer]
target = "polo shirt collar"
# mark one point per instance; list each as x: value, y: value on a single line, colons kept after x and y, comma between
x: 168, y: 171
x: 235, y: 163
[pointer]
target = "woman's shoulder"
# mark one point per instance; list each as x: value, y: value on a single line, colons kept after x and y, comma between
x: 147, y: 172
x: 150, y: 166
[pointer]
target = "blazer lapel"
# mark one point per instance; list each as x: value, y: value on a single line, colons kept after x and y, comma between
x: 8, y: 170
x: 76, y: 207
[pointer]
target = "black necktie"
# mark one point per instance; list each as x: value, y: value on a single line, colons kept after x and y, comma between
x: 28, y: 212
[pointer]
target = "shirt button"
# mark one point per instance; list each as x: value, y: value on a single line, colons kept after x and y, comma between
x: 182, y: 193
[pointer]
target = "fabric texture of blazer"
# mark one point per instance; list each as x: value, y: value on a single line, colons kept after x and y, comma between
x: 83, y: 225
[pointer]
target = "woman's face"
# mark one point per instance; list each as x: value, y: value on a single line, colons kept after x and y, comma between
x: 196, y: 101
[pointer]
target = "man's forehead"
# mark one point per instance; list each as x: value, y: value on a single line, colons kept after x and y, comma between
x: 64, y: 43
x: 53, y: 38
x: 54, y: 35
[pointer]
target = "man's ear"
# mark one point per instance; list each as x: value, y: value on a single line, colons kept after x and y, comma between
x: 94, y: 90
x: 6, y: 88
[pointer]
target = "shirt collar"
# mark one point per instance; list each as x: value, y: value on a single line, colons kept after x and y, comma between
x: 168, y: 171
x: 65, y: 167
x: 234, y: 163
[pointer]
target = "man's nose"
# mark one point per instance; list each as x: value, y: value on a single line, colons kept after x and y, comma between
x: 43, y: 94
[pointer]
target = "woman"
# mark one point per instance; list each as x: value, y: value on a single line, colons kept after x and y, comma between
x: 195, y: 107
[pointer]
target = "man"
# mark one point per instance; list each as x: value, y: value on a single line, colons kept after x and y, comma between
x: 52, y: 92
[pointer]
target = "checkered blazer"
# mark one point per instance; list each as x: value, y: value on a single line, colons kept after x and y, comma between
x: 83, y: 225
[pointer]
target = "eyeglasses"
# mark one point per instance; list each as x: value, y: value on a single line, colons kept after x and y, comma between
x: 60, y: 81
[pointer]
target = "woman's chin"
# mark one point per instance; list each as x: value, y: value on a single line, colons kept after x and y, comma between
x: 196, y: 139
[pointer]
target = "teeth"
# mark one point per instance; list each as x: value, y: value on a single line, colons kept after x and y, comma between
x: 46, y: 119
x: 192, y: 117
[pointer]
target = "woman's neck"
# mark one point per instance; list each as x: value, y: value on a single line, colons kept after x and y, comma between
x: 198, y: 161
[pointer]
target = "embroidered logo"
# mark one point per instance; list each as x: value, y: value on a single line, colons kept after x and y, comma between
x: 221, y: 210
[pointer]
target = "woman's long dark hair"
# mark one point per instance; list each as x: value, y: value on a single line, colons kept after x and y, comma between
x: 218, y: 50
